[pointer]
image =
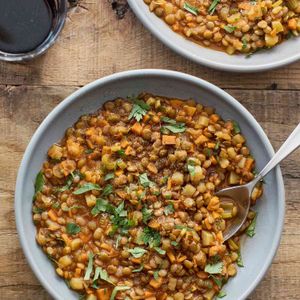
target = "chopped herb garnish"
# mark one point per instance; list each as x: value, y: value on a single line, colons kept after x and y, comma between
x: 173, y: 126
x: 192, y: 9
x: 236, y: 127
x: 229, y: 28
x: 213, y: 6
x: 217, y: 281
x: 109, y: 176
x: 183, y: 227
x: 102, y: 205
x: 100, y: 274
x: 107, y: 190
x: 151, y: 237
x: 207, y: 152
x: 191, y: 167
x: 174, y: 243
x: 89, y: 268
x: 117, y: 289
x: 214, y: 268
x: 147, y: 213
x: 245, y: 43
x: 240, y: 260
x: 119, y: 237
x: 145, y: 181
x: 37, y: 210
x: 39, y: 183
x: 138, y: 269
x: 221, y: 294
x: 155, y: 274
x: 142, y: 195
x: 169, y: 209
x: 55, y: 205
x: 160, y: 251
x: 121, y: 152
x: 89, y: 151
x: 139, y: 110
x: 72, y: 228
x: 251, y: 228
x: 86, y: 188
x: 137, y: 252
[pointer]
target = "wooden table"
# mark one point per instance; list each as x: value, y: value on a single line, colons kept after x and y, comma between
x: 94, y: 43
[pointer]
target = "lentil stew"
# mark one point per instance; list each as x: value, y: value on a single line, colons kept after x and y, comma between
x: 231, y: 26
x: 125, y: 204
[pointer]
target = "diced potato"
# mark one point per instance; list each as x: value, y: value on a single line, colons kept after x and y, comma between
x: 75, y: 244
x: 197, y: 176
x: 76, y: 283
x: 65, y: 261
x: 271, y: 40
x: 233, y: 178
x: 55, y: 152
x: 188, y: 190
x: 207, y: 238
x: 90, y: 200
x: 177, y: 178
x: 203, y: 121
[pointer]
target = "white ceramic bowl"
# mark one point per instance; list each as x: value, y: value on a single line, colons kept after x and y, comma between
x: 283, y: 54
x: 257, y: 252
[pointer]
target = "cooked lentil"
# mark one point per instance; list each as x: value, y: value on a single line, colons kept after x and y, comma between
x: 125, y: 206
x: 231, y: 26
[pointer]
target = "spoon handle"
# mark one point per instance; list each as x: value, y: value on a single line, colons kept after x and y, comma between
x: 290, y: 145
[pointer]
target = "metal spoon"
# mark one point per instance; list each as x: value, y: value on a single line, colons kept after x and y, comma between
x: 240, y: 195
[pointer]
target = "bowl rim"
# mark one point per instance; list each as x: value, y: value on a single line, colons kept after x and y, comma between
x: 21, y: 177
x: 238, y: 68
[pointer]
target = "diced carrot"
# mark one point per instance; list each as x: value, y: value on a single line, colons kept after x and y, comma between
x: 137, y: 128
x: 136, y: 260
x: 124, y: 143
x: 211, y: 145
x: 171, y: 256
x: 90, y: 131
x: 84, y: 257
x: 150, y: 298
x: 77, y: 272
x: 121, y: 194
x: 103, y: 294
x: 214, y: 118
x: 213, y: 160
x: 154, y: 224
x: 176, y: 103
x: 148, y: 294
x: 202, y: 275
x: 181, y: 258
x: 292, y: 24
x: 216, y: 215
x: 52, y: 215
x: 190, y: 110
x: 152, y: 168
x: 156, y: 283
x: 106, y: 150
x: 105, y: 246
x: 129, y: 150
x: 84, y: 238
x: 168, y: 139
x: 66, y: 239
x: 248, y: 164
x: 119, y: 172
x: 162, y: 296
x: 146, y: 118
x: 201, y: 140
x: 169, y: 185
x: 244, y: 5
x: 102, y: 122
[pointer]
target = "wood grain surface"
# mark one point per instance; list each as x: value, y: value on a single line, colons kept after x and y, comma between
x: 95, y: 43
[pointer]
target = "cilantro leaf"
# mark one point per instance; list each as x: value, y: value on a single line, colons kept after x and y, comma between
x: 217, y: 281
x: 138, y: 269
x: 236, y: 127
x: 251, y: 228
x: 184, y: 227
x: 244, y: 41
x: 72, y: 228
x: 147, y: 213
x: 145, y: 181
x: 173, y: 126
x: 39, y: 183
x: 86, y: 188
x: 37, y: 210
x: 214, y: 268
x: 100, y: 274
x: 213, y: 6
x: 240, y: 260
x: 192, y: 9
x: 69, y: 182
x: 229, y: 28
x: 102, y: 205
x: 139, y: 109
x: 117, y: 289
x: 107, y: 190
x: 89, y: 268
x: 221, y: 294
x: 109, y: 176
x: 155, y: 274
x: 174, y: 243
x: 160, y: 251
x: 169, y: 209
x: 191, y: 167
x: 151, y: 237
x: 121, y: 152
x: 137, y: 252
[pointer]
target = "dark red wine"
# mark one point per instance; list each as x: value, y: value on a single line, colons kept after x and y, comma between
x: 24, y: 24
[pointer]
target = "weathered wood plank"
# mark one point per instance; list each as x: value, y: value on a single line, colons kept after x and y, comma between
x: 94, y: 44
